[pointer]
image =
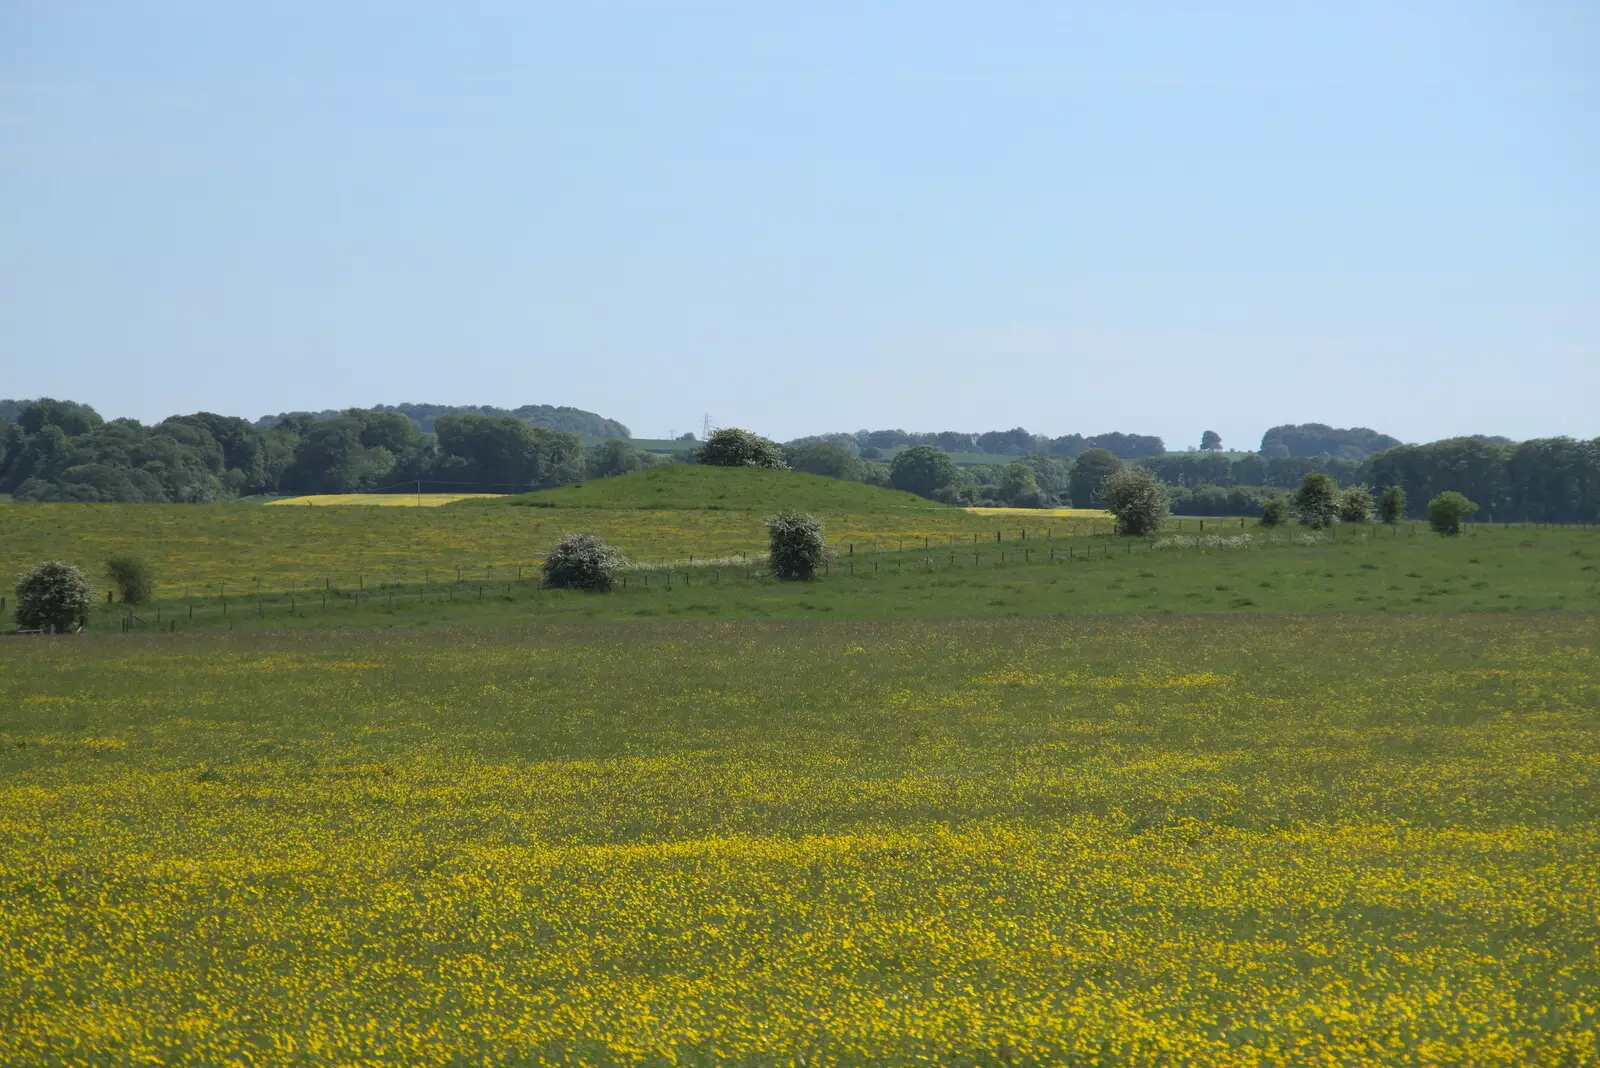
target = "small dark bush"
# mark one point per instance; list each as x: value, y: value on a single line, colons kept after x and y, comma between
x: 583, y: 562
x: 796, y: 544
x: 52, y: 596
x: 1274, y: 511
x: 1392, y: 506
x: 133, y: 578
x: 1448, y: 511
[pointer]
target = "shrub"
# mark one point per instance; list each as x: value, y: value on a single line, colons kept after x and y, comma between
x: 1392, y: 506
x: 1274, y: 511
x: 923, y: 470
x: 875, y: 474
x: 825, y: 458
x: 1089, y: 473
x: 1316, y: 502
x: 732, y: 447
x: 1137, y: 498
x: 614, y: 456
x: 1019, y: 488
x: 583, y: 562
x: 1355, y: 505
x: 52, y: 596
x: 796, y: 546
x: 1206, y: 499
x: 133, y: 578
x: 1448, y: 510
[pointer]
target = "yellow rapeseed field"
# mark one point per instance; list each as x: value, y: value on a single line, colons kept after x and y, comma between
x: 1088, y: 514
x: 1333, y: 840
x: 389, y: 500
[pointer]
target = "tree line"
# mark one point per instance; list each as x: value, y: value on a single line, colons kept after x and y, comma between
x: 1544, y: 479
x: 1553, y: 480
x: 1351, y: 444
x: 880, y: 444
x: 547, y: 416
x: 59, y: 450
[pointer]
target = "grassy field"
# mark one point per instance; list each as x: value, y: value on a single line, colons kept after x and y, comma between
x: 390, y: 500
x: 1277, y: 839
x: 662, y: 445
x: 1229, y: 796
x: 1375, y: 569
x: 743, y: 489
x: 201, y: 546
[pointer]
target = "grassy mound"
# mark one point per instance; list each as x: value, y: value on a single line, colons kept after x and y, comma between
x: 738, y: 489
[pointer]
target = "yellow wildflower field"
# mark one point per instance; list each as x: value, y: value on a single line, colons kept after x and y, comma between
x: 382, y: 500
x: 1090, y: 514
x: 1279, y: 840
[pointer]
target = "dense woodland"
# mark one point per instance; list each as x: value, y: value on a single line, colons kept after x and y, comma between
x: 875, y: 444
x: 545, y: 416
x: 59, y: 450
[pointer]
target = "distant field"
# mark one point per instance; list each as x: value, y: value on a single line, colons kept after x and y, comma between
x: 406, y: 500
x: 1091, y: 514
x: 1357, y: 571
x: 666, y: 445
x: 1284, y: 840
x: 200, y: 546
x: 745, y: 489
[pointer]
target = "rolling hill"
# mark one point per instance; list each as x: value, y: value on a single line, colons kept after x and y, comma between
x: 692, y: 486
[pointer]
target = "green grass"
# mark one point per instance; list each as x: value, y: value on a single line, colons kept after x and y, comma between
x: 1284, y: 839
x: 1086, y: 800
x: 746, y: 489
x: 1484, y: 571
x: 660, y: 445
x: 202, y: 546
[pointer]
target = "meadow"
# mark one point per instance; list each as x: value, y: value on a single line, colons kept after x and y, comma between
x: 1373, y: 569
x: 1251, y: 839
x: 203, y: 546
x: 744, y: 489
x: 992, y: 790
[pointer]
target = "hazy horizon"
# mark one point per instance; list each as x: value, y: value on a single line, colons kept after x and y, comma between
x: 804, y: 219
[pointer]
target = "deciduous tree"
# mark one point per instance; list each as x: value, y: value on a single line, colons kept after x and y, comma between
x: 1089, y: 473
x: 1392, y: 506
x: 1138, y: 499
x: 1448, y: 511
x: 1355, y: 505
x: 584, y: 562
x: 796, y: 548
x: 923, y: 470
x: 52, y: 596
x: 732, y: 447
x: 1316, y: 502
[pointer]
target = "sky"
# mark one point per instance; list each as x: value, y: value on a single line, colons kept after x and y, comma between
x: 812, y: 216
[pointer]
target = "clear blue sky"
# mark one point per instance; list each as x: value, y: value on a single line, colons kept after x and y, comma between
x: 799, y: 217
